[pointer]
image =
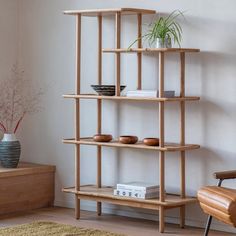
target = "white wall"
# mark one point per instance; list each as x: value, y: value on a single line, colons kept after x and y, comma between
x: 47, y: 53
x: 9, y: 35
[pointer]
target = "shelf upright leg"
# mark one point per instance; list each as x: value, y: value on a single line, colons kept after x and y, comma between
x: 99, y: 114
x: 139, y: 54
x: 118, y: 33
x: 77, y: 114
x: 162, y: 143
x: 182, y: 136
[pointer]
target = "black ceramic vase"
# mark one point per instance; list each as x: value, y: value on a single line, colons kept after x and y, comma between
x: 10, y: 150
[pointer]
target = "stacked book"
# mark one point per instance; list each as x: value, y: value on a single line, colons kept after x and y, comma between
x: 149, y: 93
x: 137, y: 190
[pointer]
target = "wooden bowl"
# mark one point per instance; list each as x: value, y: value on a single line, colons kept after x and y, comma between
x: 102, y: 137
x: 126, y: 139
x: 151, y: 141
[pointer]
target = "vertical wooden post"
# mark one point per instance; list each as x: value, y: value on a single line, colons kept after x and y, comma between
x: 118, y: 32
x: 182, y: 136
x: 77, y: 114
x: 99, y: 112
x: 139, y: 55
x: 162, y: 143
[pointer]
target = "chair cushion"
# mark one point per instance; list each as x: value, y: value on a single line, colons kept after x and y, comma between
x: 219, y: 202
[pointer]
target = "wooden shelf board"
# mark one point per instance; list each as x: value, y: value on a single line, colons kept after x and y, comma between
x: 171, y: 147
x: 149, y: 50
x: 105, y: 194
x: 97, y: 12
x: 94, y: 96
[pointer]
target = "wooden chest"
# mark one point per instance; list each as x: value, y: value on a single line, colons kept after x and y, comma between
x: 27, y: 187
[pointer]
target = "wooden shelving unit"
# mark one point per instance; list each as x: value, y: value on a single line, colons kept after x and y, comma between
x: 101, y: 193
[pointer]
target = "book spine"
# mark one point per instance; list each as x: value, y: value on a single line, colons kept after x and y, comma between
x: 145, y: 195
x: 136, y: 188
x: 124, y: 193
x: 151, y: 93
x: 139, y: 190
x: 135, y: 194
x: 167, y: 94
x: 141, y: 94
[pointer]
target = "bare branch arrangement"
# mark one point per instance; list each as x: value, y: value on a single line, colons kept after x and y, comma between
x: 17, y: 99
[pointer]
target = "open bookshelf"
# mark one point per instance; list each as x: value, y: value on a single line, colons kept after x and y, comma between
x: 98, y: 192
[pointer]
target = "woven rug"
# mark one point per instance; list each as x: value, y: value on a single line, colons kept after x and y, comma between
x: 51, y: 229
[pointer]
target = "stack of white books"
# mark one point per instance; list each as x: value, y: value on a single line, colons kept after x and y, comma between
x: 149, y: 93
x: 137, y: 190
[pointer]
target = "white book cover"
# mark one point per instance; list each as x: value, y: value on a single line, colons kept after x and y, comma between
x: 139, y: 186
x: 135, y: 194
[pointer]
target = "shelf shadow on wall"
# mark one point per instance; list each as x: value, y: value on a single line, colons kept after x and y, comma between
x: 218, y: 113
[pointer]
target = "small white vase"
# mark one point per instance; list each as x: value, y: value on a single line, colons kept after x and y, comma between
x: 9, y: 138
x: 163, y: 44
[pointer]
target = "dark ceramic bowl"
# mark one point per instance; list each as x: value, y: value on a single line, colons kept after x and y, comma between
x: 106, y: 90
x: 102, y: 137
x: 151, y: 141
x: 128, y: 139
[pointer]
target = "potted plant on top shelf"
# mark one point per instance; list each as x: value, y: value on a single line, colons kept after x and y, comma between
x: 164, y: 31
x: 17, y: 99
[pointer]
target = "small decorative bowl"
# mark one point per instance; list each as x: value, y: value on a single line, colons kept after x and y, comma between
x: 151, y: 141
x: 106, y: 90
x: 102, y: 137
x: 128, y: 139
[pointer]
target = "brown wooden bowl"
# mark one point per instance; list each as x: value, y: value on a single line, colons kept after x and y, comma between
x: 126, y: 139
x: 151, y: 141
x: 102, y: 137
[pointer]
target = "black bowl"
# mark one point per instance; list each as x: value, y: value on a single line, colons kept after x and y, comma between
x: 106, y: 90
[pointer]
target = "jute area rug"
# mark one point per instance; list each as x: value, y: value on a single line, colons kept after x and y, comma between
x: 51, y: 228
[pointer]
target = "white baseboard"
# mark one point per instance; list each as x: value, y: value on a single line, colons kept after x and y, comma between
x: 136, y: 213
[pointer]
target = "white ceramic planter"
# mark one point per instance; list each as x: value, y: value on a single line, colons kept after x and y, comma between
x: 9, y: 138
x: 163, y: 44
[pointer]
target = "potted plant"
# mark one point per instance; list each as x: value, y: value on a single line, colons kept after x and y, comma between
x: 17, y: 99
x: 164, y: 31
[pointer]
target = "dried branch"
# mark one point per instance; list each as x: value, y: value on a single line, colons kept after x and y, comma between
x: 17, y: 98
x: 18, y: 123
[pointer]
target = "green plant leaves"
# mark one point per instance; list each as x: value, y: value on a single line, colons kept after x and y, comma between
x: 164, y: 27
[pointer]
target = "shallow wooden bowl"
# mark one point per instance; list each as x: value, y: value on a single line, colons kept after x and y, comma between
x: 151, y: 141
x: 102, y: 137
x: 126, y: 139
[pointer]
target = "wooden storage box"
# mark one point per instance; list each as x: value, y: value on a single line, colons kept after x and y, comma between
x: 27, y: 187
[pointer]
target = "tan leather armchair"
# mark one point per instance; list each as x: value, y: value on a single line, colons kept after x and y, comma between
x: 219, y: 202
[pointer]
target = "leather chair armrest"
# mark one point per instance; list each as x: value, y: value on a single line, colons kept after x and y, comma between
x: 225, y: 174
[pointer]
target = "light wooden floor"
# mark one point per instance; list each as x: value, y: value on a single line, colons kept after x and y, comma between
x: 117, y: 224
